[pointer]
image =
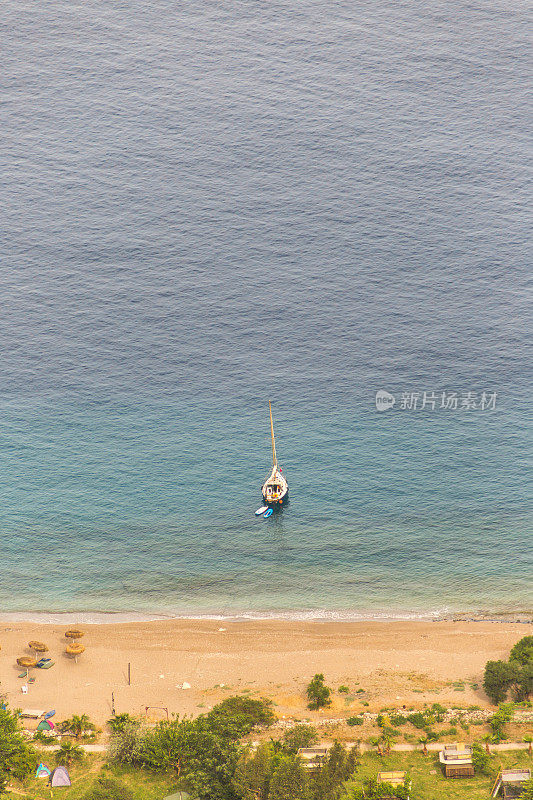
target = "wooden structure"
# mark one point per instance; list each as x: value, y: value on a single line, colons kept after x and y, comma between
x: 457, y: 761
x: 510, y: 783
x: 313, y: 757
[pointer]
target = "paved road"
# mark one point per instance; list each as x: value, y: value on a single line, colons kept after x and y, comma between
x: 365, y: 748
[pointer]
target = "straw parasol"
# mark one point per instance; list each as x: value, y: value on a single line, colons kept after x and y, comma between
x: 75, y: 649
x: 74, y: 633
x: 26, y: 661
x: 38, y: 647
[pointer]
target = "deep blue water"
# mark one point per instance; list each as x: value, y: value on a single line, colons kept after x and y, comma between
x: 210, y: 204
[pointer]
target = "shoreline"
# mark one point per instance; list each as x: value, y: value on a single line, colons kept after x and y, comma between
x: 126, y: 617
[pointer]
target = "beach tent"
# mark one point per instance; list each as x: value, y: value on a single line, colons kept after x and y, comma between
x: 45, y: 725
x: 60, y: 777
x: 42, y: 771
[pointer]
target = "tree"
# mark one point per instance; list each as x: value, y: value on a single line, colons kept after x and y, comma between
x: 205, y: 753
x: 515, y: 675
x: 499, y: 677
x: 125, y: 745
x: 254, y: 773
x: 109, y: 789
x: 318, y: 693
x: 339, y: 765
x: 523, y: 687
x: 68, y: 754
x: 523, y: 651
x: 300, y: 736
x: 17, y: 758
x: 237, y: 716
x: 205, y: 758
x: 78, y: 726
x: 289, y: 781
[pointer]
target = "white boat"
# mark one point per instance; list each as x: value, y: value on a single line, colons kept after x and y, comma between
x: 275, y: 489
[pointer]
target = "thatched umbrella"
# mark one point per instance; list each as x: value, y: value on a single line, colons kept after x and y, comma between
x: 38, y: 647
x: 74, y: 633
x: 26, y: 662
x: 75, y: 649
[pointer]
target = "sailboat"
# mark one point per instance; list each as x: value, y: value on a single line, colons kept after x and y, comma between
x: 275, y: 489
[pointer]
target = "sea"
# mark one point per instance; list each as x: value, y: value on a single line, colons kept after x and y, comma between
x: 208, y: 205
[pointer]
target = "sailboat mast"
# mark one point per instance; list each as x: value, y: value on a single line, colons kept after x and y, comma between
x: 275, y: 460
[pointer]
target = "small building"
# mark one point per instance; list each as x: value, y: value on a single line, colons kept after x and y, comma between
x: 391, y: 778
x: 510, y: 783
x: 313, y: 757
x: 457, y: 761
x: 394, y: 778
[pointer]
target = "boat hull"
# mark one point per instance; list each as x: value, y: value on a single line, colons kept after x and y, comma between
x: 282, y: 501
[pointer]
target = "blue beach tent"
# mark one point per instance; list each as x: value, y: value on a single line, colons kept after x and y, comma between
x: 42, y: 771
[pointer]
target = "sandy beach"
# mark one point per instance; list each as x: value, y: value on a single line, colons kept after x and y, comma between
x: 394, y: 663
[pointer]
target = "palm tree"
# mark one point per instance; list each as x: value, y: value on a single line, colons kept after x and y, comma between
x: 77, y: 725
x: 68, y: 753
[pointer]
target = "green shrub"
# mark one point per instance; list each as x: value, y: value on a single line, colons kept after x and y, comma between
x: 418, y: 719
x: 499, y: 721
x: 375, y: 791
x: 343, y: 690
x: 527, y: 793
x: 352, y: 721
x: 398, y: 719
x: 119, y: 721
x: 480, y: 759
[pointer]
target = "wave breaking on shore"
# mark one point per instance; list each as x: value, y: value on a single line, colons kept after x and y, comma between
x: 320, y: 615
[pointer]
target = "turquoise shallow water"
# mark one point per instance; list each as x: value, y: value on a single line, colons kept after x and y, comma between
x: 215, y: 205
